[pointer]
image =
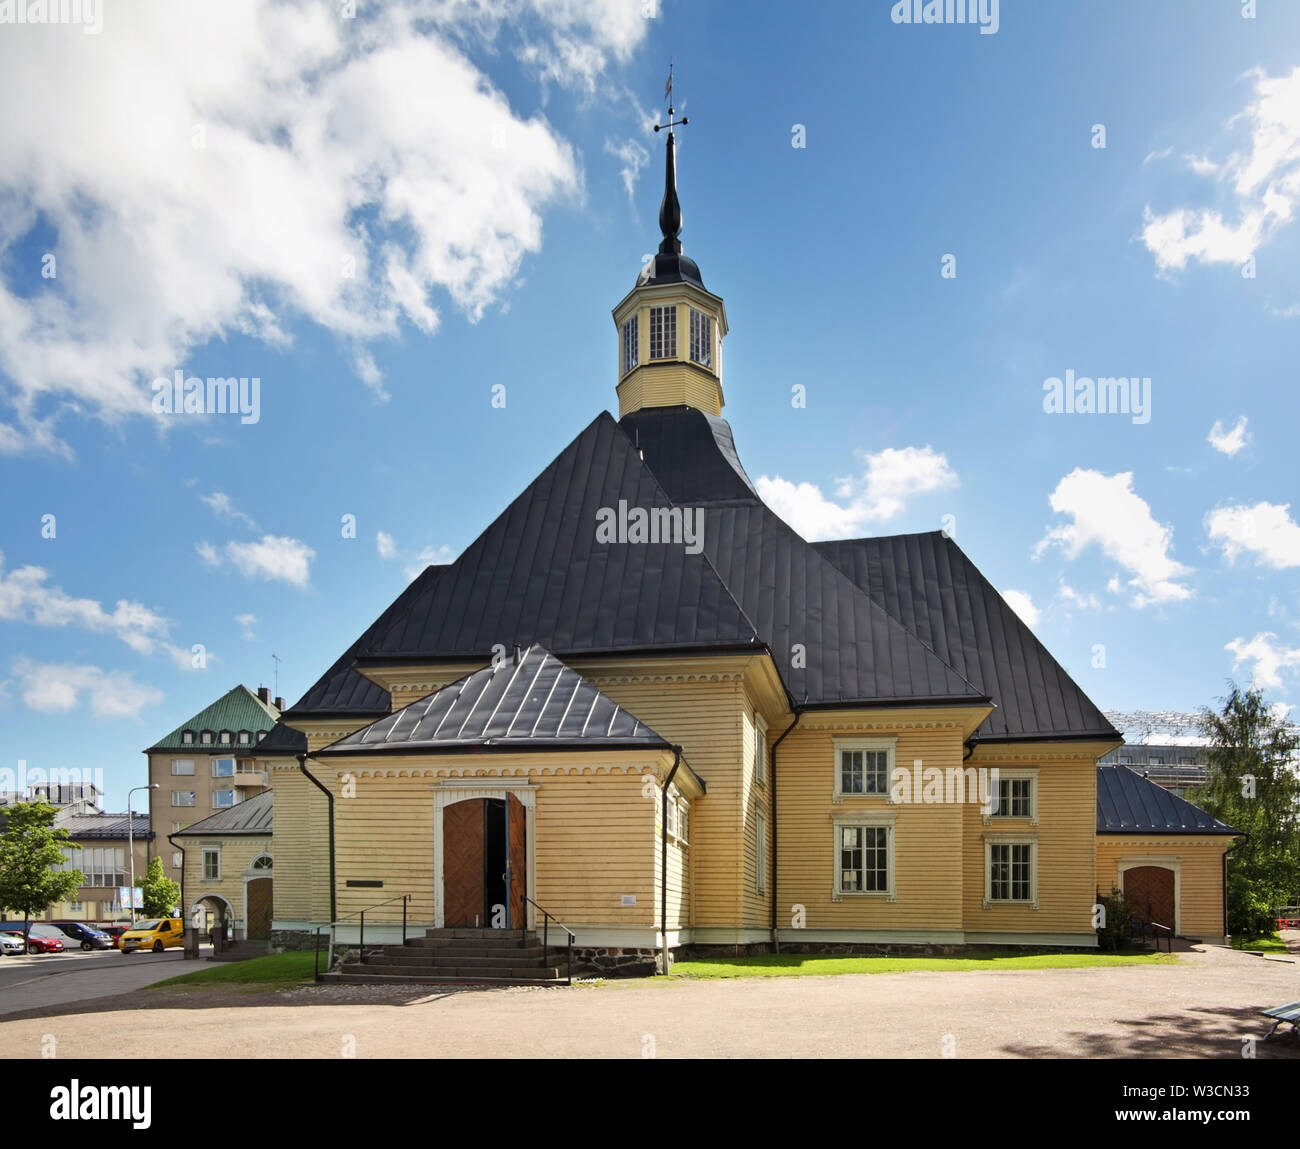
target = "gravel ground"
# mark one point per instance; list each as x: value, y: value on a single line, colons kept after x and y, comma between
x: 1202, y: 1007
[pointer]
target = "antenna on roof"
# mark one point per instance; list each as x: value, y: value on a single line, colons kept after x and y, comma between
x: 276, y: 659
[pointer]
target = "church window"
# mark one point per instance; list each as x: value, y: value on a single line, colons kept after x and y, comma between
x: 701, y: 338
x: 629, y: 344
x: 663, y: 332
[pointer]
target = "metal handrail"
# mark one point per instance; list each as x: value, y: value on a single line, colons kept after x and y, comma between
x: 547, y: 918
x: 361, y: 938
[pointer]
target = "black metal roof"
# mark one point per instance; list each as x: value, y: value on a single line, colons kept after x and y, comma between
x: 531, y: 701
x: 1127, y: 803
x: 928, y: 584
x: 253, y: 816
x: 285, y: 741
x: 538, y: 574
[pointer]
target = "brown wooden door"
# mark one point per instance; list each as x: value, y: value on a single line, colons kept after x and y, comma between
x: 517, y: 845
x: 259, y: 909
x: 1150, y: 891
x: 462, y: 863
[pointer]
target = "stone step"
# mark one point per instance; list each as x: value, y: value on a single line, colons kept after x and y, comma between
x: 473, y: 945
x: 470, y: 932
x: 436, y: 961
x: 466, y: 948
x: 466, y: 973
x: 421, y: 979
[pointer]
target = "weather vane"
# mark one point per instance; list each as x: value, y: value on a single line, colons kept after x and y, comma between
x: 668, y: 95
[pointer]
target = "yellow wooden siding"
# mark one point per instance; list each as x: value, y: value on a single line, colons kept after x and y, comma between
x: 299, y: 845
x: 236, y: 854
x: 669, y: 384
x: 704, y: 718
x: 1066, y: 859
x: 927, y: 839
x: 383, y: 832
x: 1200, y: 873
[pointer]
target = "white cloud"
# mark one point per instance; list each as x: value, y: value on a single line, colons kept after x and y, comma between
x: 224, y: 508
x: 1229, y: 442
x: 889, y: 478
x: 57, y: 688
x: 1264, y: 177
x: 1078, y: 599
x: 1201, y: 165
x: 374, y: 140
x: 1266, y: 530
x: 385, y: 545
x: 25, y: 596
x: 633, y: 157
x: 1267, y: 655
x: 272, y: 558
x: 247, y: 623
x: 1105, y: 510
x: 1162, y: 154
x: 429, y: 556
x: 1023, y: 605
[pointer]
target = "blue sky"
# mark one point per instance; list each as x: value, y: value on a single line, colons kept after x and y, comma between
x: 486, y: 167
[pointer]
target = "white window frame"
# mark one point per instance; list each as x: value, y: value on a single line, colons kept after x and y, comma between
x: 666, y: 317
x: 1017, y: 774
x: 1030, y: 840
x: 234, y: 767
x: 760, y: 850
x: 760, y: 750
x: 841, y: 822
x: 671, y: 808
x: 234, y: 801
x: 187, y: 737
x: 183, y: 762
x: 631, y: 333
x: 889, y: 745
x: 683, y: 823
x: 245, y: 738
x: 701, y: 338
x: 206, y: 853
x: 205, y: 738
x: 192, y: 795
x: 225, y: 738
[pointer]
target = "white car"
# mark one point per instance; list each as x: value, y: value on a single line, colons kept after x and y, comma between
x: 11, y: 944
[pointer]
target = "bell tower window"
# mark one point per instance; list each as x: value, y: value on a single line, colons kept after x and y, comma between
x: 663, y: 332
x: 629, y: 344
x: 701, y: 338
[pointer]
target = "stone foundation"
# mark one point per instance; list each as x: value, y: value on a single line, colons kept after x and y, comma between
x: 282, y: 940
x: 589, y: 961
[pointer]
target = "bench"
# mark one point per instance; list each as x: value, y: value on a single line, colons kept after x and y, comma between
x: 1284, y: 1014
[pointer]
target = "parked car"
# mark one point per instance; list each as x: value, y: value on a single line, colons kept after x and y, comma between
x: 41, y: 944
x: 115, y: 934
x: 156, y: 935
x: 12, y: 944
x: 87, y: 937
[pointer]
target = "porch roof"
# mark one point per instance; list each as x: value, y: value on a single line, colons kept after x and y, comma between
x: 530, y: 702
x: 1128, y: 803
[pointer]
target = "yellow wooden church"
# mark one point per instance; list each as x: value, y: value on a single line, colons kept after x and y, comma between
x: 642, y: 709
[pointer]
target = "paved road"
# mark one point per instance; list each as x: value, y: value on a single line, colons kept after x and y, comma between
x: 46, y: 980
x: 1207, y: 1005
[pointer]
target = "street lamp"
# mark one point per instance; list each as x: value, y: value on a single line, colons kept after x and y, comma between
x: 130, y: 840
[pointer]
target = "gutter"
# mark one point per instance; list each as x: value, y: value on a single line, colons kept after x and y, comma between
x: 302, y: 765
x: 184, y: 910
x: 663, y: 857
x: 776, y: 945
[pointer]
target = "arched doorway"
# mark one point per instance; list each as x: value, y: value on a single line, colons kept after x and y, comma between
x: 258, y: 898
x: 1151, y: 892
x: 218, y: 915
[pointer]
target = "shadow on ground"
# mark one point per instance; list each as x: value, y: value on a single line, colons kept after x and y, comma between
x: 1198, y: 1033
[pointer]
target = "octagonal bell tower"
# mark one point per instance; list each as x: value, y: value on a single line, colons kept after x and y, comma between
x: 670, y: 326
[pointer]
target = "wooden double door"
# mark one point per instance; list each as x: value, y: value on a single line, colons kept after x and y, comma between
x: 1150, y: 892
x: 485, y: 862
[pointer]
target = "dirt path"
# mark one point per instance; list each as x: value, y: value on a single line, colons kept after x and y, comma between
x: 1202, y: 1007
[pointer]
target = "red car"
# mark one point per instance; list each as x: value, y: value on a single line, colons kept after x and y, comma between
x: 39, y: 945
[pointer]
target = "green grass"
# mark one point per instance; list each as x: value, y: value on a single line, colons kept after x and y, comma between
x: 811, y: 965
x: 273, y: 971
x: 1271, y: 944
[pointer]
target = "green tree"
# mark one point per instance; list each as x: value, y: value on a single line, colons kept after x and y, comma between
x: 1254, y: 787
x: 31, y: 846
x: 158, y: 893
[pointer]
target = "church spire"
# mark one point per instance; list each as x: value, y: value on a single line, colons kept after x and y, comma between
x: 670, y: 211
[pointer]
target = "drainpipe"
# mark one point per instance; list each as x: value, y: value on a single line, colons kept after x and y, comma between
x: 663, y: 857
x: 329, y: 797
x: 184, y: 908
x: 776, y: 945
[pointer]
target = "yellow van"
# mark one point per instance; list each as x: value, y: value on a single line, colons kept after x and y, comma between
x: 156, y: 935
